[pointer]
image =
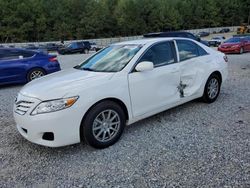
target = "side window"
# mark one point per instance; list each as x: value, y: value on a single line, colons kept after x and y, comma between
x: 73, y: 45
x: 27, y: 54
x: 201, y: 51
x: 13, y: 54
x: 160, y: 54
x: 3, y: 54
x: 187, y: 49
x: 79, y: 44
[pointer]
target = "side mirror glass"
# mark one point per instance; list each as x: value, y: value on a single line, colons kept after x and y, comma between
x: 144, y: 66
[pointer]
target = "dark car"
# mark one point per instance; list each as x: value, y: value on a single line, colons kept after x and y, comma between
x: 76, y: 47
x: 236, y: 45
x: 21, y: 66
x: 53, y: 46
x: 225, y: 30
x: 40, y: 48
x: 176, y: 34
x: 203, y: 34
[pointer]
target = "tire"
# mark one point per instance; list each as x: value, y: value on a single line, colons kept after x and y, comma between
x: 35, y: 73
x: 96, y: 128
x: 208, y: 95
x: 241, y: 50
x: 86, y: 51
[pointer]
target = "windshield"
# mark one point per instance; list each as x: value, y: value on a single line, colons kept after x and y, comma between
x: 233, y: 40
x: 111, y: 59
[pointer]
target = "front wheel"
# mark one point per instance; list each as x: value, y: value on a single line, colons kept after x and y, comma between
x: 86, y: 51
x: 212, y: 89
x: 103, y: 125
x: 241, y: 50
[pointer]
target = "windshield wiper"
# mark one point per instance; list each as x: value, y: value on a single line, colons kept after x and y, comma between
x: 87, y: 69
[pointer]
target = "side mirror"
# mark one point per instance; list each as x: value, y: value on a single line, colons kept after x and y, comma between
x: 198, y: 39
x: 144, y: 66
x: 20, y: 57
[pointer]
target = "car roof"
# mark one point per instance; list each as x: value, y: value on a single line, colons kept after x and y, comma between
x: 149, y: 40
x: 148, y: 35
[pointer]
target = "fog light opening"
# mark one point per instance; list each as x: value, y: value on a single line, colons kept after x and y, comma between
x: 25, y: 130
x: 48, y: 136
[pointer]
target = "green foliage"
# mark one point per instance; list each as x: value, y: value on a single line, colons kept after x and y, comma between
x: 43, y: 20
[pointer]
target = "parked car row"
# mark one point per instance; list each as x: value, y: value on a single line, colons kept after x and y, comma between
x: 73, y: 47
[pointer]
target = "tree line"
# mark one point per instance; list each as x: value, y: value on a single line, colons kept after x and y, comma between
x: 46, y: 20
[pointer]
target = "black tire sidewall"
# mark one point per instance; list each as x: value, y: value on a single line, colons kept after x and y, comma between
x: 205, y: 97
x: 86, y: 126
x: 241, y: 50
x: 86, y: 51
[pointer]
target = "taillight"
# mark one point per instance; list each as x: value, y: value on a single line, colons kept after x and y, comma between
x: 53, y: 59
x: 225, y: 59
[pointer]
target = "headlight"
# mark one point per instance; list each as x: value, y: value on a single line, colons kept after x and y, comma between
x: 235, y: 46
x: 54, y: 105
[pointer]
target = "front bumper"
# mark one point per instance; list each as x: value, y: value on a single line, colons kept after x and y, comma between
x: 63, y: 125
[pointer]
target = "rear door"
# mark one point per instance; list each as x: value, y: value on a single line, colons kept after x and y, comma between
x: 192, y: 64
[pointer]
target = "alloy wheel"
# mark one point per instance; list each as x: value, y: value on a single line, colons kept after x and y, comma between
x: 106, y: 125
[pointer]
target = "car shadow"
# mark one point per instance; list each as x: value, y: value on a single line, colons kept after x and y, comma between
x: 5, y: 86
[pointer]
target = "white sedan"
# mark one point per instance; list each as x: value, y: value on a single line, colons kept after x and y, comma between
x: 119, y: 85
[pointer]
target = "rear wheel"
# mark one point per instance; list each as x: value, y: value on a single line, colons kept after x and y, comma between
x: 212, y: 89
x: 86, y: 51
x: 35, y: 73
x: 103, y: 125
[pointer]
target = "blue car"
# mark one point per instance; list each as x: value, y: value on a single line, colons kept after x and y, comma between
x: 22, y: 66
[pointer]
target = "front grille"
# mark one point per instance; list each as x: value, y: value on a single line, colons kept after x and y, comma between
x: 22, y: 107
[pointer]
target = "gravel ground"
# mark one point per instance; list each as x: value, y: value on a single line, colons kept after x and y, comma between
x: 193, y: 145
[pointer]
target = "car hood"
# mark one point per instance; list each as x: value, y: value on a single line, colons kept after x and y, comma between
x: 63, y: 83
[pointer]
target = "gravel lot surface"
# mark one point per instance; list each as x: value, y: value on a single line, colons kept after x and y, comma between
x: 193, y: 145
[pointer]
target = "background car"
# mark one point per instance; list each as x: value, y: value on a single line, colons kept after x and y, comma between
x: 76, y: 47
x: 203, y: 34
x: 216, y: 41
x: 21, y: 66
x: 236, y: 45
x: 53, y: 46
x: 225, y: 30
x: 176, y: 34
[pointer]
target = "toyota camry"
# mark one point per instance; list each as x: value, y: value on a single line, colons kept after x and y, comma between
x: 119, y: 85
